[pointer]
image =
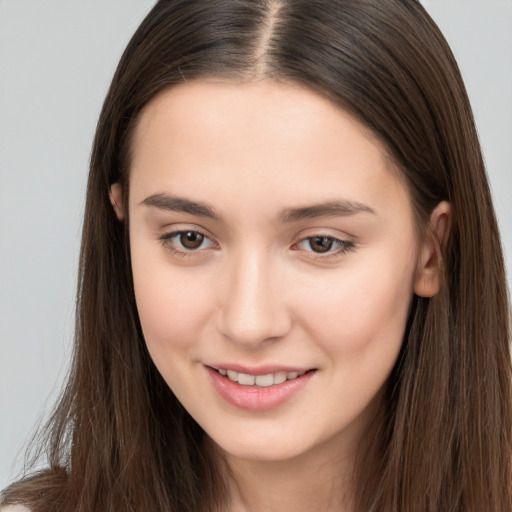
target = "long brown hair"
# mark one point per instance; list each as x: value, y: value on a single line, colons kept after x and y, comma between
x: 119, y: 439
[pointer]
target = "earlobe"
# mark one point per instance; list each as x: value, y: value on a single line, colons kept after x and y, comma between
x: 116, y: 199
x: 430, y: 267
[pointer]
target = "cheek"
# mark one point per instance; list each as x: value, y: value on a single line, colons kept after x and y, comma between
x: 364, y: 312
x: 359, y: 326
x: 173, y: 305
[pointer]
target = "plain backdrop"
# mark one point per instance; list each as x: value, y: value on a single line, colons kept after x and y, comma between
x: 56, y: 60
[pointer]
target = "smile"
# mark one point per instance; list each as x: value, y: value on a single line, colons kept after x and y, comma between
x: 263, y: 381
x: 261, y: 392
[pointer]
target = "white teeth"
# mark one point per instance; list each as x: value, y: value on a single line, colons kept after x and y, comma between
x: 263, y: 381
x: 246, y: 380
x: 279, y: 377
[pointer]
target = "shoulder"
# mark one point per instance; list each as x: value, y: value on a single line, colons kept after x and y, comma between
x: 12, y: 508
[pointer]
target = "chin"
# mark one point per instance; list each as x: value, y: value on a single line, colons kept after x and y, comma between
x: 269, y: 446
x: 267, y: 453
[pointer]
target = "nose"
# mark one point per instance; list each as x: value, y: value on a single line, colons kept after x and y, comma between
x: 253, y: 308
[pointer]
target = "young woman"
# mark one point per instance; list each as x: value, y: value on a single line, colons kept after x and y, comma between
x: 291, y: 293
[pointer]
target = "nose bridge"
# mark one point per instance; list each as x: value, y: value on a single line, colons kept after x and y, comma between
x: 252, y: 310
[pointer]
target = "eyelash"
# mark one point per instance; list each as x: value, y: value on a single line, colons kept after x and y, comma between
x: 166, y: 240
x: 168, y: 243
x: 344, y: 246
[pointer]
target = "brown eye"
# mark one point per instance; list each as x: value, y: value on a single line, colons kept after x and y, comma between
x: 321, y: 243
x: 186, y: 243
x: 191, y: 239
x: 324, y: 246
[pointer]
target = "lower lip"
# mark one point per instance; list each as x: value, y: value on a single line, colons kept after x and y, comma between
x: 254, y: 398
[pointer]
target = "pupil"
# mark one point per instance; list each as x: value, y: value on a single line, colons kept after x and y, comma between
x: 191, y: 240
x: 321, y: 243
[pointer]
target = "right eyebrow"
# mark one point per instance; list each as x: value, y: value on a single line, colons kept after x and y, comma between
x: 180, y: 204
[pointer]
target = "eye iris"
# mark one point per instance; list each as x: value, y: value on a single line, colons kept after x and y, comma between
x: 191, y: 239
x: 321, y: 243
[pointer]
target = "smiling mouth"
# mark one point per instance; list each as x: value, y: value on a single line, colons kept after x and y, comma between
x: 263, y: 381
x: 259, y: 391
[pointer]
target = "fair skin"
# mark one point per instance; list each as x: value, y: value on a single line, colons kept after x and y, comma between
x: 291, y: 248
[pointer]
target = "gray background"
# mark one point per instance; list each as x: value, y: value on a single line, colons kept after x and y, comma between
x: 56, y: 60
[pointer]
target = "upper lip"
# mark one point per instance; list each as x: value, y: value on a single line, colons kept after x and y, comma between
x: 259, y: 370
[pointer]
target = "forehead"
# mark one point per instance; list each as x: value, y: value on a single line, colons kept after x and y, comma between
x: 261, y: 140
x: 248, y: 107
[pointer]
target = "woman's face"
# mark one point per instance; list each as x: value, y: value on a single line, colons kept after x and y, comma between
x: 269, y: 241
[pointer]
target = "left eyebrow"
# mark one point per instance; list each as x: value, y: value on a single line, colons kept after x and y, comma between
x: 326, y: 209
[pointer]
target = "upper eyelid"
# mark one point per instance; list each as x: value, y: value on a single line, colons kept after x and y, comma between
x: 346, y: 243
x: 341, y: 237
x: 323, y: 235
x: 169, y: 231
x: 171, y: 234
x: 174, y: 232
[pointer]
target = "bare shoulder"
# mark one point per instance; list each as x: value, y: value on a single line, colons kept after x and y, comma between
x: 14, y: 508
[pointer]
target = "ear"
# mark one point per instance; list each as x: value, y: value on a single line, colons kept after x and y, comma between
x: 116, y: 199
x: 429, y: 270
